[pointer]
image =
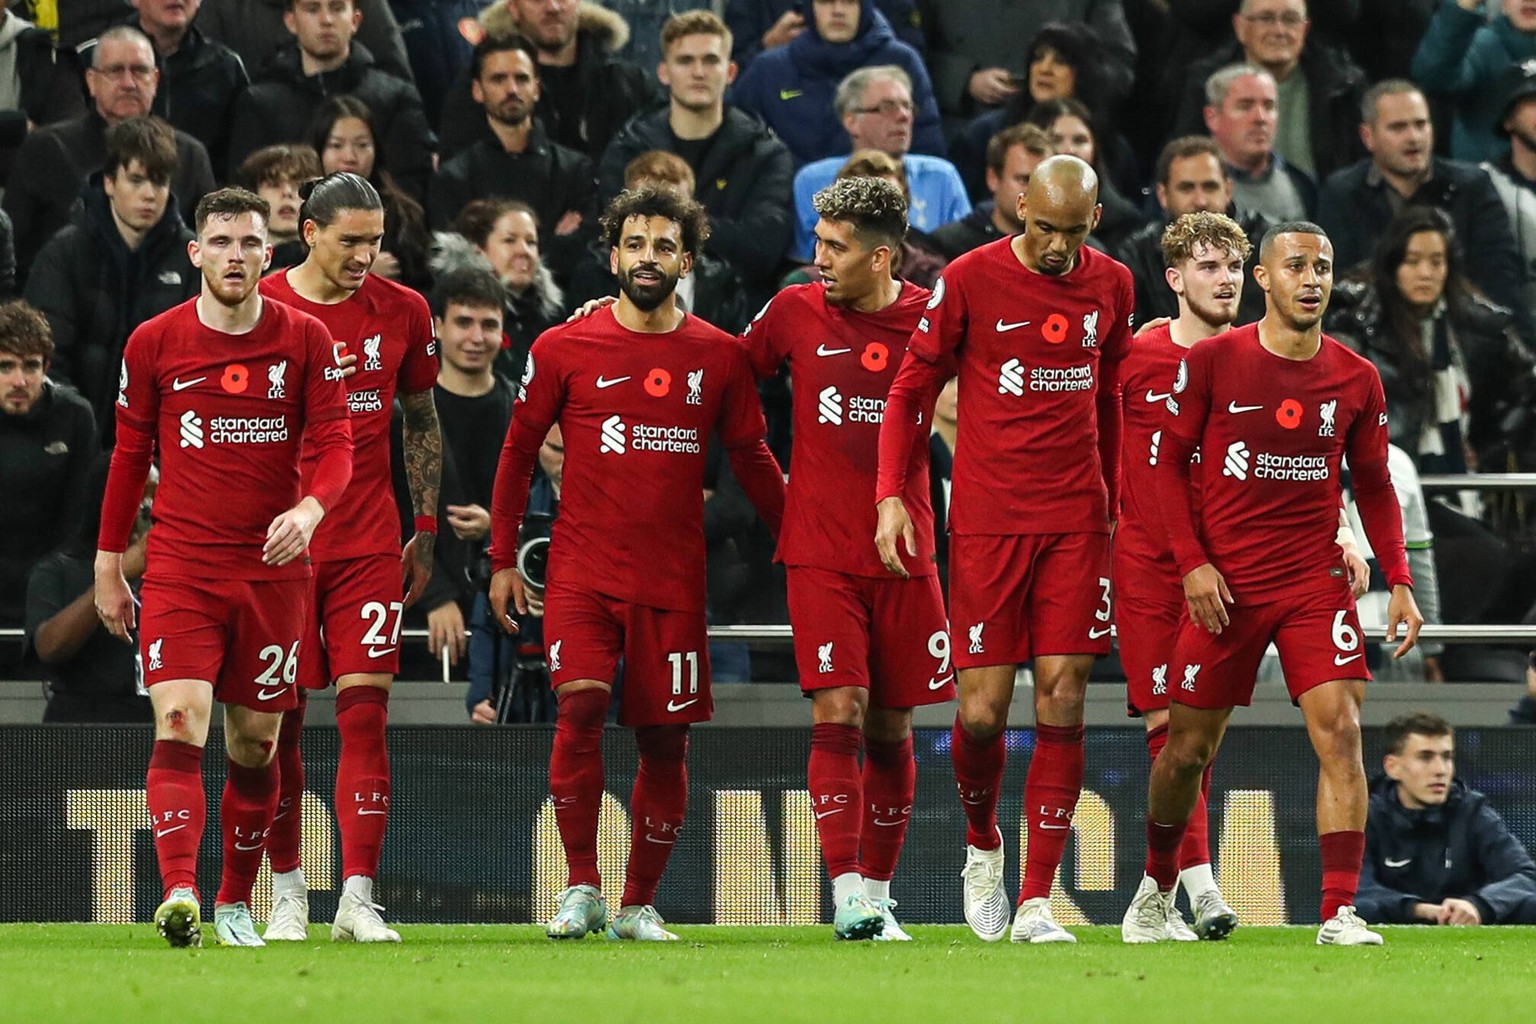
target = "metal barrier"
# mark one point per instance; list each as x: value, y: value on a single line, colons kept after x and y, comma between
x: 1479, y: 482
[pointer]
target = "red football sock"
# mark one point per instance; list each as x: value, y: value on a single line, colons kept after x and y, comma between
x: 890, y: 786
x: 656, y: 807
x: 1050, y: 796
x: 1342, y: 854
x: 178, y: 810
x: 245, y: 815
x: 1197, y: 845
x: 362, y: 778
x: 576, y: 780
x: 1164, y: 842
x: 836, y: 793
x: 979, y: 776
x: 287, y: 825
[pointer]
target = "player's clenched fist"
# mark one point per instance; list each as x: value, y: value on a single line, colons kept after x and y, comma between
x: 507, y: 590
x: 894, y: 525
x: 288, y: 535
x: 1208, y: 597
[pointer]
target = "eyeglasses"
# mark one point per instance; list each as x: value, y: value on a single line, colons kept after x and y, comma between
x: 1269, y: 19
x: 887, y: 107
x: 143, y: 72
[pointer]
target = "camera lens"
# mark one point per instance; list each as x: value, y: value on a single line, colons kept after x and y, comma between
x: 533, y: 561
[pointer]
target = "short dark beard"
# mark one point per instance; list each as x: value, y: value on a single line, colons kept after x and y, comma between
x: 647, y: 298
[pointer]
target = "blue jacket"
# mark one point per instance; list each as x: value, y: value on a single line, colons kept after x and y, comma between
x: 792, y: 87
x: 1461, y: 849
x: 1464, y: 56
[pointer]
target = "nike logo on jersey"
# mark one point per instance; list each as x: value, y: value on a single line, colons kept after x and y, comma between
x: 379, y: 652
x: 1154, y: 397
x: 822, y: 350
x: 1339, y: 659
x: 939, y: 684
x: 182, y: 385
x: 673, y: 705
x: 159, y: 832
x: 1234, y: 408
x: 603, y: 382
x: 827, y: 814
x: 265, y: 694
x: 1094, y: 634
x: 1004, y: 328
x: 1398, y: 863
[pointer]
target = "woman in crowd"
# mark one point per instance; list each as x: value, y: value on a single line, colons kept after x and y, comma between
x: 1069, y: 124
x: 343, y: 134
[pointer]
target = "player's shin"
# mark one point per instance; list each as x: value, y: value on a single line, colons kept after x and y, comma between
x: 890, y: 787
x: 362, y: 778
x: 978, y: 763
x: 658, y: 805
x: 576, y: 779
x: 1050, y: 797
x: 832, y: 774
x: 245, y: 815
x: 287, y: 824
x: 177, y: 810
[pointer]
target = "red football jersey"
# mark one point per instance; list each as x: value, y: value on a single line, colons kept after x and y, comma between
x: 1272, y: 433
x: 1038, y: 358
x: 1146, y: 384
x: 841, y: 365
x: 228, y: 413
x: 389, y: 328
x: 636, y: 412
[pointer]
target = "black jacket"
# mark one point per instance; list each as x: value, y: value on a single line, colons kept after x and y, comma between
x: 744, y: 179
x: 1353, y: 208
x: 611, y: 90
x: 1143, y: 253
x: 547, y: 176
x: 436, y: 48
x: 1335, y: 84
x: 52, y: 90
x: 972, y: 231
x: 56, y: 162
x: 282, y: 101
x: 255, y: 30
x: 200, y: 88
x: 94, y: 292
x: 45, y: 461
x: 1461, y: 849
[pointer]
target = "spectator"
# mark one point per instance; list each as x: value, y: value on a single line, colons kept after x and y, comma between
x: 518, y: 161
x: 1241, y: 113
x: 55, y: 161
x: 124, y: 262
x: 586, y: 93
x: 796, y: 89
x: 1514, y: 176
x: 1463, y: 55
x: 200, y: 79
x: 1317, y: 86
x: 1012, y: 155
x: 435, y: 46
x: 1385, y: 36
x: 344, y: 136
x: 1191, y: 176
x: 1436, y: 852
x: 974, y: 48
x: 1402, y: 170
x: 645, y: 19
x: 324, y: 61
x: 1069, y: 126
x: 255, y: 29
x: 275, y: 173
x: 758, y: 25
x: 47, y: 444
x: 502, y: 235
x: 746, y: 171
x: 39, y: 84
x: 875, y: 105
x: 92, y: 677
x: 1450, y: 363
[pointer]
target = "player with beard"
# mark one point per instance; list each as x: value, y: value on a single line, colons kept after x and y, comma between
x: 869, y: 648
x: 1281, y: 405
x: 637, y: 389
x: 352, y: 635
x: 223, y: 387
x: 1039, y: 324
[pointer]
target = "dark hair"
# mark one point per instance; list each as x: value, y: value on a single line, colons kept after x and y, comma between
x: 1079, y: 46
x: 148, y: 140
x: 404, y: 219
x: 279, y: 163
x: 1288, y: 227
x: 1030, y: 136
x: 478, y: 218
x: 1045, y: 114
x: 467, y: 286
x: 230, y: 201
x: 875, y: 208
x: 24, y: 331
x: 1183, y: 148
x: 656, y: 202
x: 1414, y: 723
x: 494, y: 44
x: 323, y: 199
x: 334, y: 109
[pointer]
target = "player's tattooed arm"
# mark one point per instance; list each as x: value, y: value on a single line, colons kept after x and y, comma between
x: 422, y: 442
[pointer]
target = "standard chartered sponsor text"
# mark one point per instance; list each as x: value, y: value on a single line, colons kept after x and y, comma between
x: 645, y: 437
x: 1064, y: 378
x: 1300, y: 468
x: 248, y: 429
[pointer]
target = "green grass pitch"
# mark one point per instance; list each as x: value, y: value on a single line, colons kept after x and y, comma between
x: 69, y: 973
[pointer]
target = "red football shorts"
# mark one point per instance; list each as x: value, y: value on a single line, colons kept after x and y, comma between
x: 1149, y: 601
x: 666, y: 653
x: 884, y: 634
x: 1317, y: 633
x: 353, y: 620
x: 240, y: 635
x: 1016, y: 597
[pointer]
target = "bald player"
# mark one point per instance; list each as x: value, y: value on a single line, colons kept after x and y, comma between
x: 1037, y: 325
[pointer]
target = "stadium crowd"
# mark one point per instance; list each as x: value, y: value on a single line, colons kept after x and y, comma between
x: 489, y: 142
